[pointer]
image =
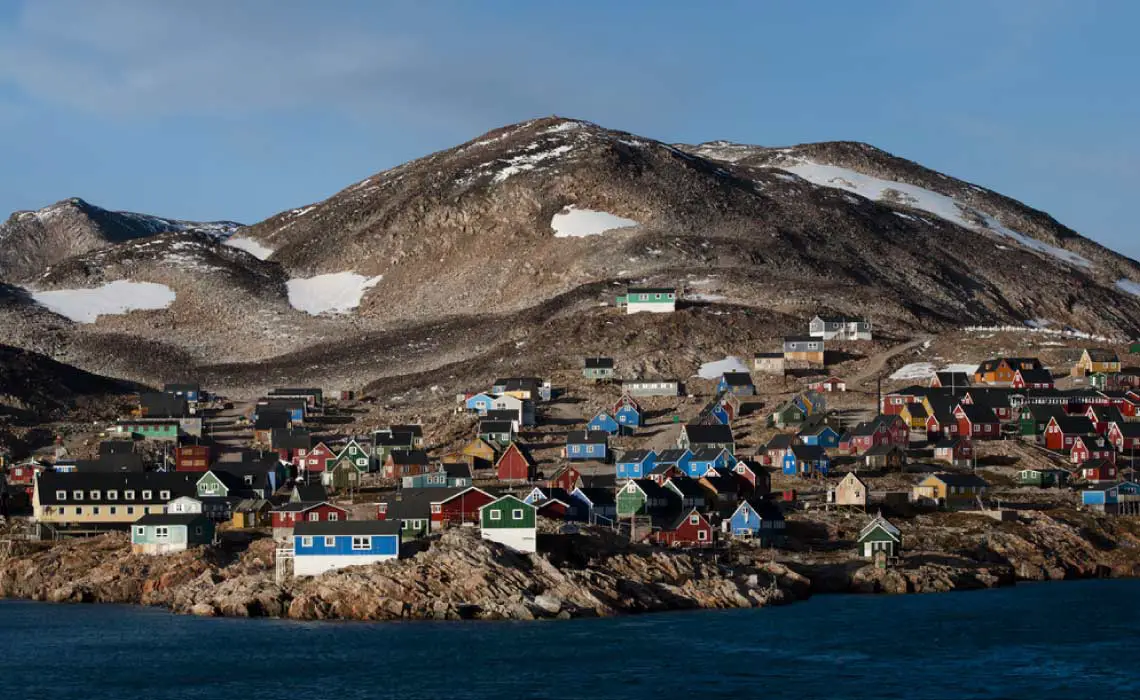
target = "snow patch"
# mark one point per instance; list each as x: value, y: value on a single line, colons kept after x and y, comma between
x: 1127, y: 285
x: 940, y: 205
x: 112, y: 299
x: 713, y: 370
x: 915, y: 370
x: 1066, y: 332
x: 528, y: 161
x: 564, y: 126
x: 573, y: 222
x: 249, y: 245
x: 336, y: 292
x: 303, y: 210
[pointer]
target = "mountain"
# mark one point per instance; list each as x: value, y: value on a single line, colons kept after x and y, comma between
x: 30, y: 241
x: 37, y: 388
x: 506, y: 250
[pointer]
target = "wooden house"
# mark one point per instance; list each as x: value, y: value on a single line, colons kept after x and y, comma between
x: 889, y: 457
x: 977, y: 422
x: 1062, y: 431
x: 166, y: 533
x: 803, y: 352
x: 644, y: 497
x: 444, y: 475
x: 635, y: 464
x: 879, y: 536
x: 950, y: 380
x: 950, y: 490
x: 386, y: 440
x: 831, y: 385
x: 648, y: 299
x: 600, y: 504
x: 723, y: 490
x: 1034, y: 418
x: 1087, y: 448
x: 756, y: 476
x: 706, y: 459
x: 1112, y: 497
x: 696, y: 437
x: 768, y: 362
x: 605, y: 423
x: 691, y: 529
x: 915, y: 416
x: 627, y: 411
x: 736, y: 383
x: 479, y: 454
x: 956, y: 451
x: 851, y: 491
x: 806, y: 460
x: 343, y: 476
x: 1033, y: 379
x: 567, y: 478
x: 284, y: 517
x: 663, y: 471
x: 1124, y: 436
x: 514, y: 464
x: 598, y: 369
x: 651, y: 387
x: 356, y: 454
x: 787, y: 415
x: 1096, y: 361
x: 587, y: 445
x: 1000, y: 370
x: 401, y: 463
x: 320, y: 547
x: 758, y: 519
x: 772, y: 453
x: 252, y: 512
x: 839, y: 328
x: 318, y: 459
x: 1098, y: 470
x: 868, y: 434
x: 510, y: 522
x: 1043, y: 478
x: 689, y: 491
x: 820, y: 435
x: 499, y: 433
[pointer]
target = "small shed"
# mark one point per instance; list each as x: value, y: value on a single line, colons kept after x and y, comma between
x: 166, y: 533
x: 879, y: 536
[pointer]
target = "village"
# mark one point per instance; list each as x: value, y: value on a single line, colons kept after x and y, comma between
x: 750, y: 454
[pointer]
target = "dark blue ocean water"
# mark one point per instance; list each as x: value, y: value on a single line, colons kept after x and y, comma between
x: 1059, y: 640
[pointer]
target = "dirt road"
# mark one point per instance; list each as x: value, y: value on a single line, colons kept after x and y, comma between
x: 877, y: 362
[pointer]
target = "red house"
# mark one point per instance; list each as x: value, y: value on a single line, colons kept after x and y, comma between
x: 1086, y: 449
x: 317, y: 460
x: 192, y: 458
x: 690, y: 530
x: 24, y: 474
x: 1125, y: 436
x: 867, y: 435
x: 284, y: 517
x: 1125, y: 402
x: 957, y: 451
x: 1098, y: 470
x: 665, y: 472
x: 514, y: 465
x: 1033, y: 379
x: 977, y: 422
x: 1063, y: 430
x: 462, y: 507
x: 553, y: 508
x: 567, y: 478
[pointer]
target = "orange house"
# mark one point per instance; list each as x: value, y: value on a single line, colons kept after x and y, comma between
x: 1001, y: 370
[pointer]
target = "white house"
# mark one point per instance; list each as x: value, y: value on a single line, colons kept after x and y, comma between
x: 652, y: 299
x: 523, y: 408
x: 839, y: 328
x: 185, y: 504
x: 326, y: 546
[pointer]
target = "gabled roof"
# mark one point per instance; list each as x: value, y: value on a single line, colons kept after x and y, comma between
x: 392, y: 439
x: 456, y: 470
x: 781, y: 441
x: 809, y: 453
x: 707, y: 454
x: 767, y: 510
x: 417, y: 457
x: 880, y: 522
x: 951, y: 479
x: 949, y: 443
x: 684, y: 517
x: 978, y: 414
x: 635, y: 456
x: 667, y: 457
x: 290, y: 439
x: 599, y: 363
x: 1075, y: 425
x: 172, y: 519
x: 1036, y: 376
x: 177, y: 483
x: 737, y: 378
x: 302, y: 506
x: 587, y: 437
x: 112, y: 463
x: 596, y: 496
x: 1128, y: 430
x: 1102, y: 355
x: 882, y: 450
x: 272, y: 420
x: 310, y: 492
x: 709, y: 434
x: 953, y: 379
x: 916, y: 410
x: 495, y: 426
x: 686, y: 486
x: 415, y: 504
x: 346, y: 527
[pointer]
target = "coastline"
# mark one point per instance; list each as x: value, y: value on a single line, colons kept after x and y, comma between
x: 458, y: 576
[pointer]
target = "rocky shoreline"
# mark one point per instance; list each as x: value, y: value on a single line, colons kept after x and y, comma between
x: 596, y: 573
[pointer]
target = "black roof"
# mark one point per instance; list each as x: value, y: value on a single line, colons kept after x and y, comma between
x: 1079, y: 425
x: 172, y: 519
x: 670, y: 456
x: 116, y: 447
x: 347, y: 527
x: 414, y: 429
x: 285, y: 403
x: 809, y: 452
x: 415, y: 504
x: 802, y: 339
x: 650, y: 290
x: 183, y: 387
x: 290, y: 439
x: 176, y: 483
x: 1036, y: 376
x: 599, y: 363
x: 310, y: 492
x: 687, y: 486
x: 456, y: 470
x: 519, y: 383
x: 737, y: 378
x: 159, y: 405
x: 409, y: 457
x: 495, y: 426
x: 587, y: 437
x: 976, y: 413
x: 709, y: 434
x: 501, y: 414
x: 393, y: 439
x: 293, y: 391
x: 112, y: 463
x: 598, y: 496
x: 707, y: 454
x: 634, y: 455
x: 953, y: 379
x: 272, y: 420
x: 881, y: 450
x: 781, y: 441
x: 951, y: 479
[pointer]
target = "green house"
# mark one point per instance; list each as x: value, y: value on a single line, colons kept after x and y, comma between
x: 787, y: 415
x: 356, y: 455
x: 1043, y: 478
x: 598, y: 368
x: 1098, y: 380
x: 344, y: 475
x: 644, y: 497
x: 150, y: 430
x: 164, y: 533
x: 511, y: 522
x: 879, y: 536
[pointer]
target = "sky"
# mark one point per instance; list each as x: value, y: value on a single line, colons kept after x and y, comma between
x: 239, y: 109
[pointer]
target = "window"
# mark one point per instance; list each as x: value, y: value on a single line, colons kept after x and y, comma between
x: 517, y: 514
x: 694, y: 519
x: 77, y: 495
x: 129, y: 495
x: 146, y: 495
x: 198, y: 530
x: 702, y: 535
x: 361, y: 543
x: 314, y: 517
x: 330, y: 541
x: 146, y: 510
x: 140, y: 532
x: 496, y: 515
x: 312, y: 461
x: 61, y: 495
x: 249, y: 479
x: 112, y: 495
x: 334, y: 516
x: 114, y: 510
x: 306, y: 541
x: 161, y: 532
x: 209, y: 488
x: 95, y: 510
x: 79, y: 511
x: 164, y: 495
x: 436, y: 508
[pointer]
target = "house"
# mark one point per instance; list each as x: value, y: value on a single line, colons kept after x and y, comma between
x: 772, y: 453
x: 284, y: 517
x: 885, y: 456
x: 191, y: 458
x: 678, y: 459
x: 831, y: 384
x: 314, y: 398
x: 603, y: 422
x: 644, y: 497
x: 185, y: 504
x: 1088, y: 448
x: 892, y: 403
x: 957, y: 451
x: 723, y: 490
x: 879, y: 536
x: 868, y: 434
x: 758, y: 519
x: 567, y: 478
x: 950, y: 490
x: 787, y: 415
x: 708, y: 458
x: 697, y: 437
x: 635, y: 464
x: 445, y: 475
x: 689, y: 491
x: 342, y: 477
x: 803, y: 352
x: 587, y: 444
x: 652, y: 299
x: 737, y: 383
x: 1111, y: 498
x: 806, y: 460
x: 479, y: 454
x: 915, y: 416
x: 839, y: 328
x: 821, y: 435
x: 851, y: 491
x: 162, y: 405
x: 690, y: 529
x: 401, y: 463
x: 651, y: 387
x: 514, y: 464
x: 479, y: 403
x: 600, y: 504
x: 758, y: 478
x: 977, y: 422
x: 768, y: 362
x: 308, y: 493
x: 150, y: 429
x: 320, y: 547
x: 356, y: 454
x: 950, y: 380
x: 1096, y: 361
x: 191, y: 392
x: 317, y: 460
x: 599, y: 369
x: 496, y: 432
x: 1062, y: 431
x: 1034, y: 419
x: 1043, y: 478
x: 1097, y: 470
x: 1000, y: 370
x: 511, y: 522
x: 526, y: 388
x: 412, y: 509
x: 384, y: 441
x: 627, y: 411
x: 100, y: 501
x: 165, y: 533
x: 252, y: 512
x: 1125, y: 436
x: 1032, y: 379
x: 1103, y: 416
x: 295, y: 408
x: 291, y: 445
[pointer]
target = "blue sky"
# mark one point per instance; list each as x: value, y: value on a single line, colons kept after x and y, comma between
x: 238, y: 109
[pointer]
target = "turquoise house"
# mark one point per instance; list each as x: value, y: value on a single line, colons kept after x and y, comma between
x: 166, y: 533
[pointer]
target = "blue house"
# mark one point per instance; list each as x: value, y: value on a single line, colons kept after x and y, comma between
x: 636, y: 464
x: 1108, y: 497
x: 628, y: 413
x: 604, y: 422
x: 806, y: 460
x: 479, y: 403
x: 678, y: 458
x: 704, y: 460
x: 738, y: 383
x: 329, y: 545
x: 758, y: 519
x: 587, y: 444
x: 822, y: 435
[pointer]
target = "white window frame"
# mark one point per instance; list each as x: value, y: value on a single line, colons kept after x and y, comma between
x: 61, y: 495
x: 161, y: 532
x: 164, y: 495
x: 96, y: 495
x: 517, y: 514
x: 129, y: 495
x: 702, y: 535
x: 77, y: 495
x: 112, y: 495
x: 330, y: 541
x: 496, y: 515
x: 694, y: 519
x: 314, y: 517
x: 333, y: 516
x: 146, y: 495
x: 361, y: 543
x: 140, y: 531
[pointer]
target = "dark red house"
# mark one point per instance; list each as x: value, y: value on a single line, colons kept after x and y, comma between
x: 192, y: 458
x: 284, y: 517
x: 977, y: 422
x: 1098, y: 470
x: 317, y: 460
x: 1125, y: 436
x: 1033, y: 379
x: 1063, y: 430
x: 462, y: 507
x: 690, y: 530
x: 514, y: 465
x: 1088, y: 449
x: 567, y: 478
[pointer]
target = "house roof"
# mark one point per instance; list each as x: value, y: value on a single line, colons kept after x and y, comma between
x: 653, y: 490
x: 1076, y: 425
x: 1036, y: 376
x: 498, y: 415
x: 409, y: 457
x: 767, y: 510
x: 953, y: 379
x: 881, y: 450
x: 768, y: 355
x: 1102, y: 355
x: 286, y: 439
x: 650, y: 290
x: 415, y: 504
x: 172, y: 519
x: 707, y: 454
x: 518, y: 383
x: 295, y: 391
x: 801, y: 339
x: 597, y: 496
x: 272, y: 420
x: 414, y: 429
x: 687, y: 486
x: 587, y: 437
x: 635, y: 456
x: 599, y: 363
x: 781, y: 441
x: 392, y: 439
x: 347, y: 527
x: 667, y: 457
x: 456, y: 470
x: 1128, y: 430
x: 176, y: 483
x: 880, y: 522
x: 709, y: 434
x: 680, y: 519
x: 949, y: 443
x: 976, y: 413
x: 952, y: 479
x: 737, y: 378
x: 111, y: 447
x: 310, y: 492
x: 487, y: 427
x: 916, y: 410
x: 160, y: 405
x: 808, y: 452
x: 722, y: 483
x: 113, y: 463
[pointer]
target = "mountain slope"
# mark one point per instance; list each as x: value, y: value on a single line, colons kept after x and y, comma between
x: 32, y: 240
x: 36, y: 388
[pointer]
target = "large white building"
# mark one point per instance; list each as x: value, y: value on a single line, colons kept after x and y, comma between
x: 839, y: 328
x: 651, y: 299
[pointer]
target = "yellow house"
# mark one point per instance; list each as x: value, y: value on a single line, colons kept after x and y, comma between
x: 950, y: 490
x: 251, y: 512
x: 1096, y: 360
x: 478, y: 453
x: 96, y: 499
x: 915, y: 415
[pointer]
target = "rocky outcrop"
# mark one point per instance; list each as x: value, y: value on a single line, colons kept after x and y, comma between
x: 458, y: 577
